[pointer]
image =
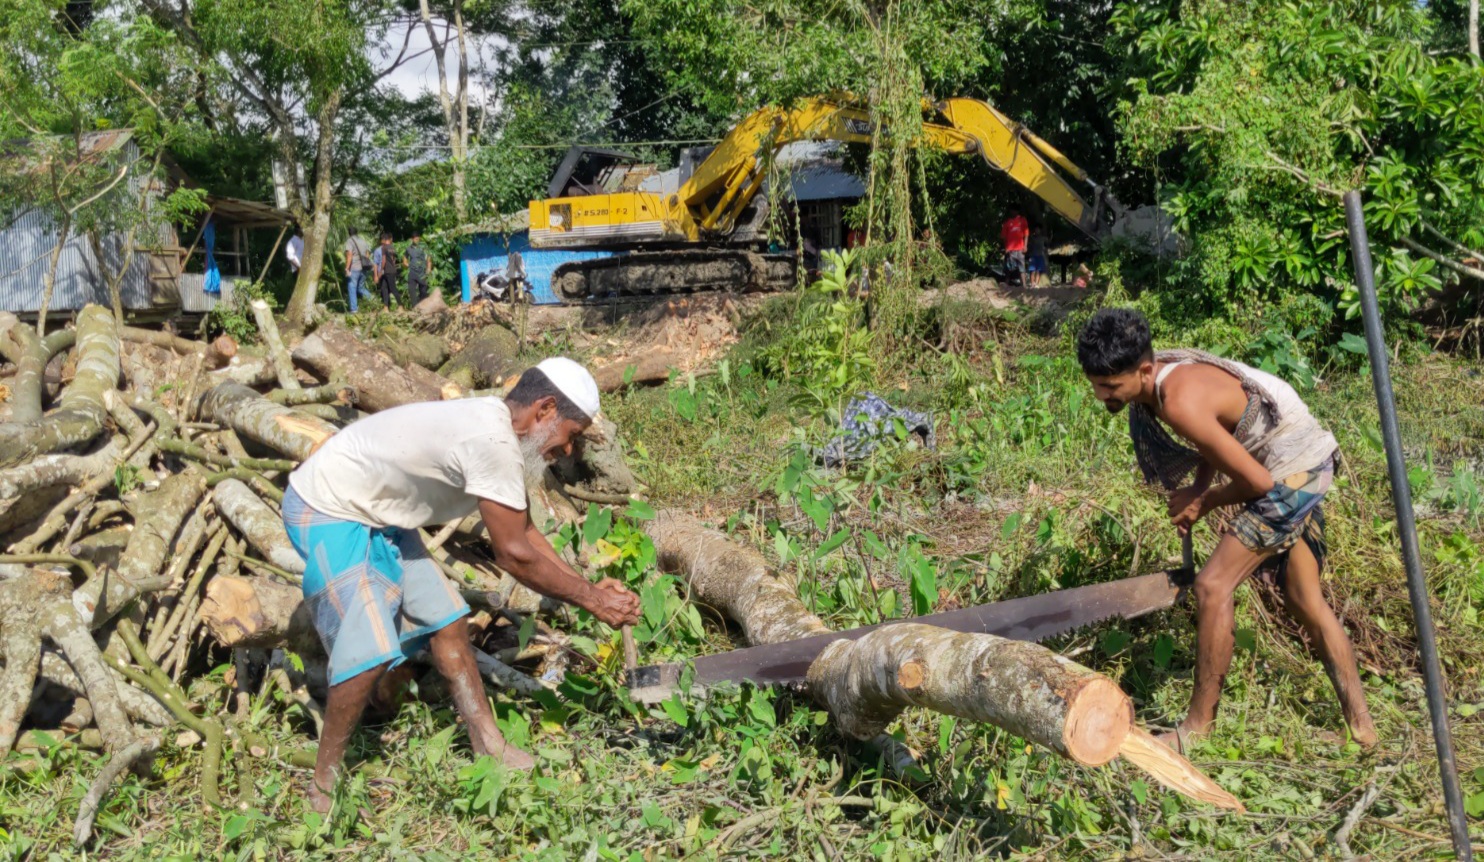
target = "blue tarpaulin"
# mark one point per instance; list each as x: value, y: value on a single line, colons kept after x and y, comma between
x: 490, y: 252
x: 213, y: 283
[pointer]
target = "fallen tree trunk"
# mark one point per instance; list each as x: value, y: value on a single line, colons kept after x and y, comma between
x: 1020, y: 686
x: 79, y: 418
x: 257, y: 418
x: 335, y: 353
x: 30, y: 354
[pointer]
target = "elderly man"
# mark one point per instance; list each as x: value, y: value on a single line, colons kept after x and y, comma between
x: 1194, y: 413
x: 353, y: 511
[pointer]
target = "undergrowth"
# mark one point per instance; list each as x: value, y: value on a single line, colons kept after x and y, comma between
x: 1031, y: 488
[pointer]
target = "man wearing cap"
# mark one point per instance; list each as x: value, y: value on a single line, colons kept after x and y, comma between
x: 353, y: 510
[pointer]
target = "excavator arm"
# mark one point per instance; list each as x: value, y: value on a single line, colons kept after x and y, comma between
x: 723, y: 185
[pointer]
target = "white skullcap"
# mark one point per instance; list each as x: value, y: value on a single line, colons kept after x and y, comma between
x: 573, y: 381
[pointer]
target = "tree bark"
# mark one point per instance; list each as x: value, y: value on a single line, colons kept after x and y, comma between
x: 317, y: 224
x: 1474, y: 29
x: 283, y: 366
x: 216, y: 354
x: 653, y: 366
x: 81, y: 413
x: 162, y: 512
x: 335, y: 353
x: 257, y: 418
x: 260, y: 525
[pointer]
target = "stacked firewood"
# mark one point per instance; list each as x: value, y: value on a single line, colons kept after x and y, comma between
x: 140, y: 475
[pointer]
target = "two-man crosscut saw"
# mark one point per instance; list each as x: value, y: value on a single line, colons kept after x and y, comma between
x: 1031, y: 618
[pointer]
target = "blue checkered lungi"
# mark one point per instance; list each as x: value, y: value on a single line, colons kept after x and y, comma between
x: 374, y: 594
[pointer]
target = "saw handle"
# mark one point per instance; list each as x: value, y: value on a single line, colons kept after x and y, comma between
x: 630, y: 651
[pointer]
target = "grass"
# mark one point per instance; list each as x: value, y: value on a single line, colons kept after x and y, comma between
x: 1031, y: 488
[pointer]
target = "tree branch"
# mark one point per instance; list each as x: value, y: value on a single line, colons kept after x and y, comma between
x: 1461, y: 269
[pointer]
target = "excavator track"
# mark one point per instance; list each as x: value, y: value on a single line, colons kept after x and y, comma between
x: 673, y: 272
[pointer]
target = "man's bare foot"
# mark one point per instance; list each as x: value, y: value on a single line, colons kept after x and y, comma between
x: 515, y: 758
x: 1182, y: 738
x: 318, y: 800
x: 1365, y: 737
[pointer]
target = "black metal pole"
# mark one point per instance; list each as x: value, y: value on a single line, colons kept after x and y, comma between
x: 1406, y: 525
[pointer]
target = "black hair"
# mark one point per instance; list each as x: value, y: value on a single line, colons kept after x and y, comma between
x: 1113, y: 341
x: 535, y: 385
x: 352, y: 231
x: 385, y: 236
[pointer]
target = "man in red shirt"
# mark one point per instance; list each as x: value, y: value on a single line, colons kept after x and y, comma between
x: 1013, y: 233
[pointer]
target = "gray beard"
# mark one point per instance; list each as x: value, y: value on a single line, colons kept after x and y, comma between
x: 533, y: 462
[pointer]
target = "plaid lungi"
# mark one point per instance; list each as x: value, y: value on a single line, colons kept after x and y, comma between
x: 374, y: 594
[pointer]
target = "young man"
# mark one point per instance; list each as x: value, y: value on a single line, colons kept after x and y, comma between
x: 385, y: 260
x: 1013, y: 234
x: 353, y: 510
x: 357, y: 262
x: 416, y: 261
x: 1278, y: 461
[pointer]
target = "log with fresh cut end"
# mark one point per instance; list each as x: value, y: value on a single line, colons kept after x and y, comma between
x: 335, y: 353
x: 1020, y: 686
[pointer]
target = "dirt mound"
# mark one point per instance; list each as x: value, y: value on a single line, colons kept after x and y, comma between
x: 1053, y: 299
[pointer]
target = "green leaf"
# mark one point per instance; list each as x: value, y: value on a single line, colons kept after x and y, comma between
x: 1140, y: 790
x: 597, y: 524
x: 1474, y: 805
x: 832, y: 543
x: 235, y: 826
x: 1011, y: 524
x: 676, y: 710
x: 924, y: 588
x: 1246, y: 639
x: 1114, y: 641
x: 639, y: 511
x: 437, y: 745
x: 1164, y: 650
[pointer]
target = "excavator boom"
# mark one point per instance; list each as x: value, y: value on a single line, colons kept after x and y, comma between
x: 706, y: 209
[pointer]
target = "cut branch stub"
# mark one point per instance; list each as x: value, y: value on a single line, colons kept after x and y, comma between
x: 258, y: 612
x: 1020, y: 686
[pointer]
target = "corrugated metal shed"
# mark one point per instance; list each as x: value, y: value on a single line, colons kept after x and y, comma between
x: 28, y: 241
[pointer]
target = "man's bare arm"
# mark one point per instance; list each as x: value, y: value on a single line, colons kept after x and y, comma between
x: 529, y: 558
x: 1199, y: 424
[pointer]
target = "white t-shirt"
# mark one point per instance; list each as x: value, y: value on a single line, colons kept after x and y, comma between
x: 416, y: 465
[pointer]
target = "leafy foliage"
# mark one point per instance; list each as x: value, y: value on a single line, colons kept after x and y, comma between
x: 1257, y: 116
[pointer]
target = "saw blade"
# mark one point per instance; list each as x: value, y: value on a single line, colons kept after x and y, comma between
x: 1031, y: 618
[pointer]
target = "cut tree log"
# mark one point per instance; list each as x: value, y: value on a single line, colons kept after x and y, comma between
x: 1020, y: 686
x: 258, y: 419
x: 30, y: 354
x: 335, y: 353
x: 258, y: 611
x: 651, y: 367
x: 1016, y: 685
x: 260, y: 525
x: 79, y: 418
x: 486, y: 359
x: 160, y: 516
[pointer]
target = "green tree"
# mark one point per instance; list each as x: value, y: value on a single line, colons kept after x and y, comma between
x: 1258, y: 116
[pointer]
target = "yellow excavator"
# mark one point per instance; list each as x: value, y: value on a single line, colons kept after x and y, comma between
x: 707, y: 233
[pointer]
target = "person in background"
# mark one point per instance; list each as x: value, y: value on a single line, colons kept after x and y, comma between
x: 357, y: 262
x: 416, y: 261
x: 1013, y: 234
x: 1035, y: 256
x: 385, y: 260
x: 294, y: 251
